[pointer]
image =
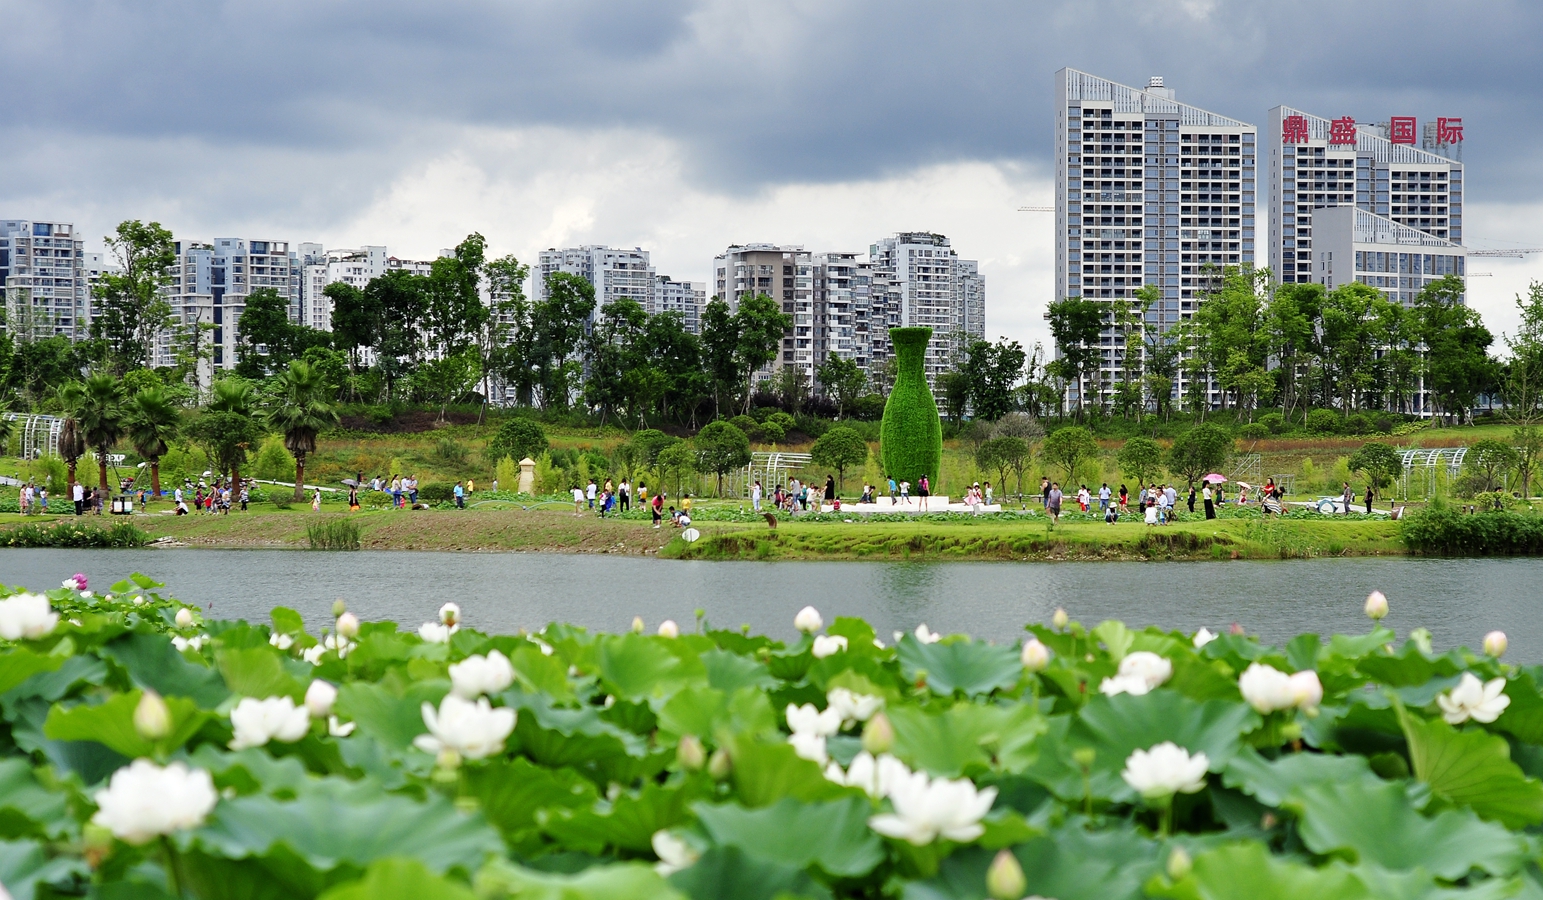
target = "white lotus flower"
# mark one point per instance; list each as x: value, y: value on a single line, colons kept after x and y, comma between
x: 807, y: 719
x: 543, y: 646
x: 828, y: 644
x: 348, y: 625
x: 926, y: 635
x: 1148, y: 666
x: 1495, y: 644
x: 319, y: 698
x: 436, y: 633
x: 810, y: 745
x: 1473, y: 699
x: 1306, y: 689
x: 86, y: 594
x: 808, y: 620
x: 926, y: 809
x: 331, y: 642
x: 26, y: 616
x: 1060, y: 619
x: 875, y: 775
x: 1165, y: 770
x: 281, y: 641
x: 256, y: 722
x: 194, y: 643
x: 852, y: 706
x: 478, y: 675
x: 339, y: 729
x: 674, y: 854
x: 144, y: 801
x: 669, y: 629
x: 1266, y: 688
x: 450, y: 614
x: 472, y: 729
x: 1203, y: 636
x: 1134, y: 685
x: 184, y: 618
x: 1376, y: 606
x: 1035, y: 655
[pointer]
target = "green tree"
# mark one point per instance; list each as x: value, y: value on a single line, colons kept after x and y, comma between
x: 228, y: 425
x: 721, y: 448
x: 760, y: 324
x: 98, y: 406
x: 991, y: 371
x: 153, y: 423
x: 400, y: 301
x: 517, y: 439
x: 619, y: 367
x: 1492, y: 460
x: 131, y: 309
x: 720, y: 352
x: 355, y: 318
x: 1291, y: 330
x: 675, y: 356
x: 1076, y: 325
x: 1378, y: 462
x: 839, y: 448
x: 455, y: 313
x: 843, y: 381
x: 559, y: 324
x: 649, y: 443
x: 1141, y: 459
x: 1199, y: 451
x: 677, y: 461
x: 1528, y: 443
x: 1523, y: 387
x: 264, y: 324
x: 302, y: 410
x: 1007, y: 455
x: 1458, y: 367
x: 1068, y: 448
x: 504, y: 338
x: 72, y: 438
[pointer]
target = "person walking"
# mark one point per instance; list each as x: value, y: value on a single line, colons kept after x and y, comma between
x: 1348, y: 497
x: 1191, y: 498
x: 924, y: 490
x: 1044, y: 492
x: 1053, y: 502
x: 1124, y: 499
x: 246, y: 495
x: 986, y: 494
x: 589, y: 493
x: 353, y: 498
x: 1368, y: 499
x: 755, y: 497
x: 578, y: 500
x: 460, y: 495
x: 80, y: 499
x: 830, y: 489
x: 893, y: 491
x: 1103, y: 498
x: 316, y: 501
x: 905, y: 492
x: 1210, y: 505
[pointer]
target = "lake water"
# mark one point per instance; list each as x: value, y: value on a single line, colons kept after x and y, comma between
x: 1458, y: 600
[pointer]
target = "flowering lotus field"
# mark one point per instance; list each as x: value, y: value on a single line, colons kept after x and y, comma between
x: 146, y: 752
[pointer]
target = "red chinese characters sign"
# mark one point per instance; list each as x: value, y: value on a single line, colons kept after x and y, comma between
x: 1342, y: 131
x: 1293, y: 130
x: 1401, y: 129
x: 1449, y: 131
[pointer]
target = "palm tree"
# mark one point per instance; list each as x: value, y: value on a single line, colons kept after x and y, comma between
x: 234, y: 396
x: 302, y: 412
x: 72, y: 439
x: 153, y: 423
x: 101, y: 415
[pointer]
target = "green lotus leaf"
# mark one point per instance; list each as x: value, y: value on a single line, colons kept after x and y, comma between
x: 834, y: 836
x: 555, y: 736
x: 730, y: 872
x: 712, y: 715
x: 728, y: 672
x: 1248, y: 870
x: 260, y: 672
x: 635, y: 667
x: 337, y: 823
x: 1472, y: 768
x: 390, y: 718
x: 541, y: 673
x: 965, y: 736
x: 970, y: 667
x: 27, y: 809
x: 633, y: 881
x: 1524, y: 716
x: 400, y: 879
x: 513, y: 794
x: 111, y: 724
x: 764, y: 773
x: 252, y: 771
x: 1115, y: 727
x: 1272, y: 781
x: 628, y: 822
x: 19, y: 664
x: 152, y: 662
x: 26, y: 865
x: 1376, y: 823
x: 51, y: 685
x: 1070, y: 864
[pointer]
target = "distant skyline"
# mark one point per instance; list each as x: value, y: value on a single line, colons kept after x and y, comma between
x: 682, y: 127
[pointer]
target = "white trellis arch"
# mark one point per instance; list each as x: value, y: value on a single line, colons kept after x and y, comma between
x: 39, y: 435
x: 1422, y: 466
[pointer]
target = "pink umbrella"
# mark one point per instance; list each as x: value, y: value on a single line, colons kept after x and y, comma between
x: 1214, y: 478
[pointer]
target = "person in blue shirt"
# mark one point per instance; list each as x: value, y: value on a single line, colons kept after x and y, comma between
x: 460, y: 495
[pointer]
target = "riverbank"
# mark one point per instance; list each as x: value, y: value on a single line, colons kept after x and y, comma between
x: 1017, y: 539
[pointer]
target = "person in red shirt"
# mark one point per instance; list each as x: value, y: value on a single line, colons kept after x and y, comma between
x: 658, y: 504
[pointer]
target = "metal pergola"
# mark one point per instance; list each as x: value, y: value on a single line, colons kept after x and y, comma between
x: 1426, y: 465
x: 39, y: 434
x: 770, y: 468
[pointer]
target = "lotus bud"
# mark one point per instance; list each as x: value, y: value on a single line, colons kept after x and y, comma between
x: 1083, y: 757
x: 808, y: 620
x: 96, y: 843
x: 1376, y: 606
x: 184, y: 618
x: 1004, y: 879
x: 878, y: 734
x: 1422, y: 639
x: 1179, y: 864
x: 637, y: 624
x: 448, y: 759
x: 319, y: 698
x: 719, y: 765
x: 338, y: 608
x: 1036, y: 656
x: 1292, y: 731
x: 1060, y: 619
x: 348, y: 625
x: 669, y: 629
x: 1495, y: 644
x: 151, y: 717
x: 450, y: 614
x: 690, y: 754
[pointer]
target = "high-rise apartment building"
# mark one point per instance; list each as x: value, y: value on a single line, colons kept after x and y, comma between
x: 922, y: 282
x: 354, y: 267
x: 210, y: 284
x: 748, y: 270
x: 42, y: 273
x: 1318, y: 164
x: 1149, y: 191
x: 688, y: 298
x: 614, y: 273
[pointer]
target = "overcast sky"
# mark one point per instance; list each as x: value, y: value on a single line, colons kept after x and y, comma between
x: 682, y: 127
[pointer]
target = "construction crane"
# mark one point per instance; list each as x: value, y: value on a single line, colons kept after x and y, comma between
x: 1036, y: 209
x: 1514, y: 254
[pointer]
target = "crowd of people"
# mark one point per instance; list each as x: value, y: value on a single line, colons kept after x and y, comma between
x: 1158, y: 503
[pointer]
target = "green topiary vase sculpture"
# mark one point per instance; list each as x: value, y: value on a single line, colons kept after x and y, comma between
x: 911, y: 435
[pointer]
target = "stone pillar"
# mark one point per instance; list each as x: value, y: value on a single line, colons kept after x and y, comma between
x: 527, y: 476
